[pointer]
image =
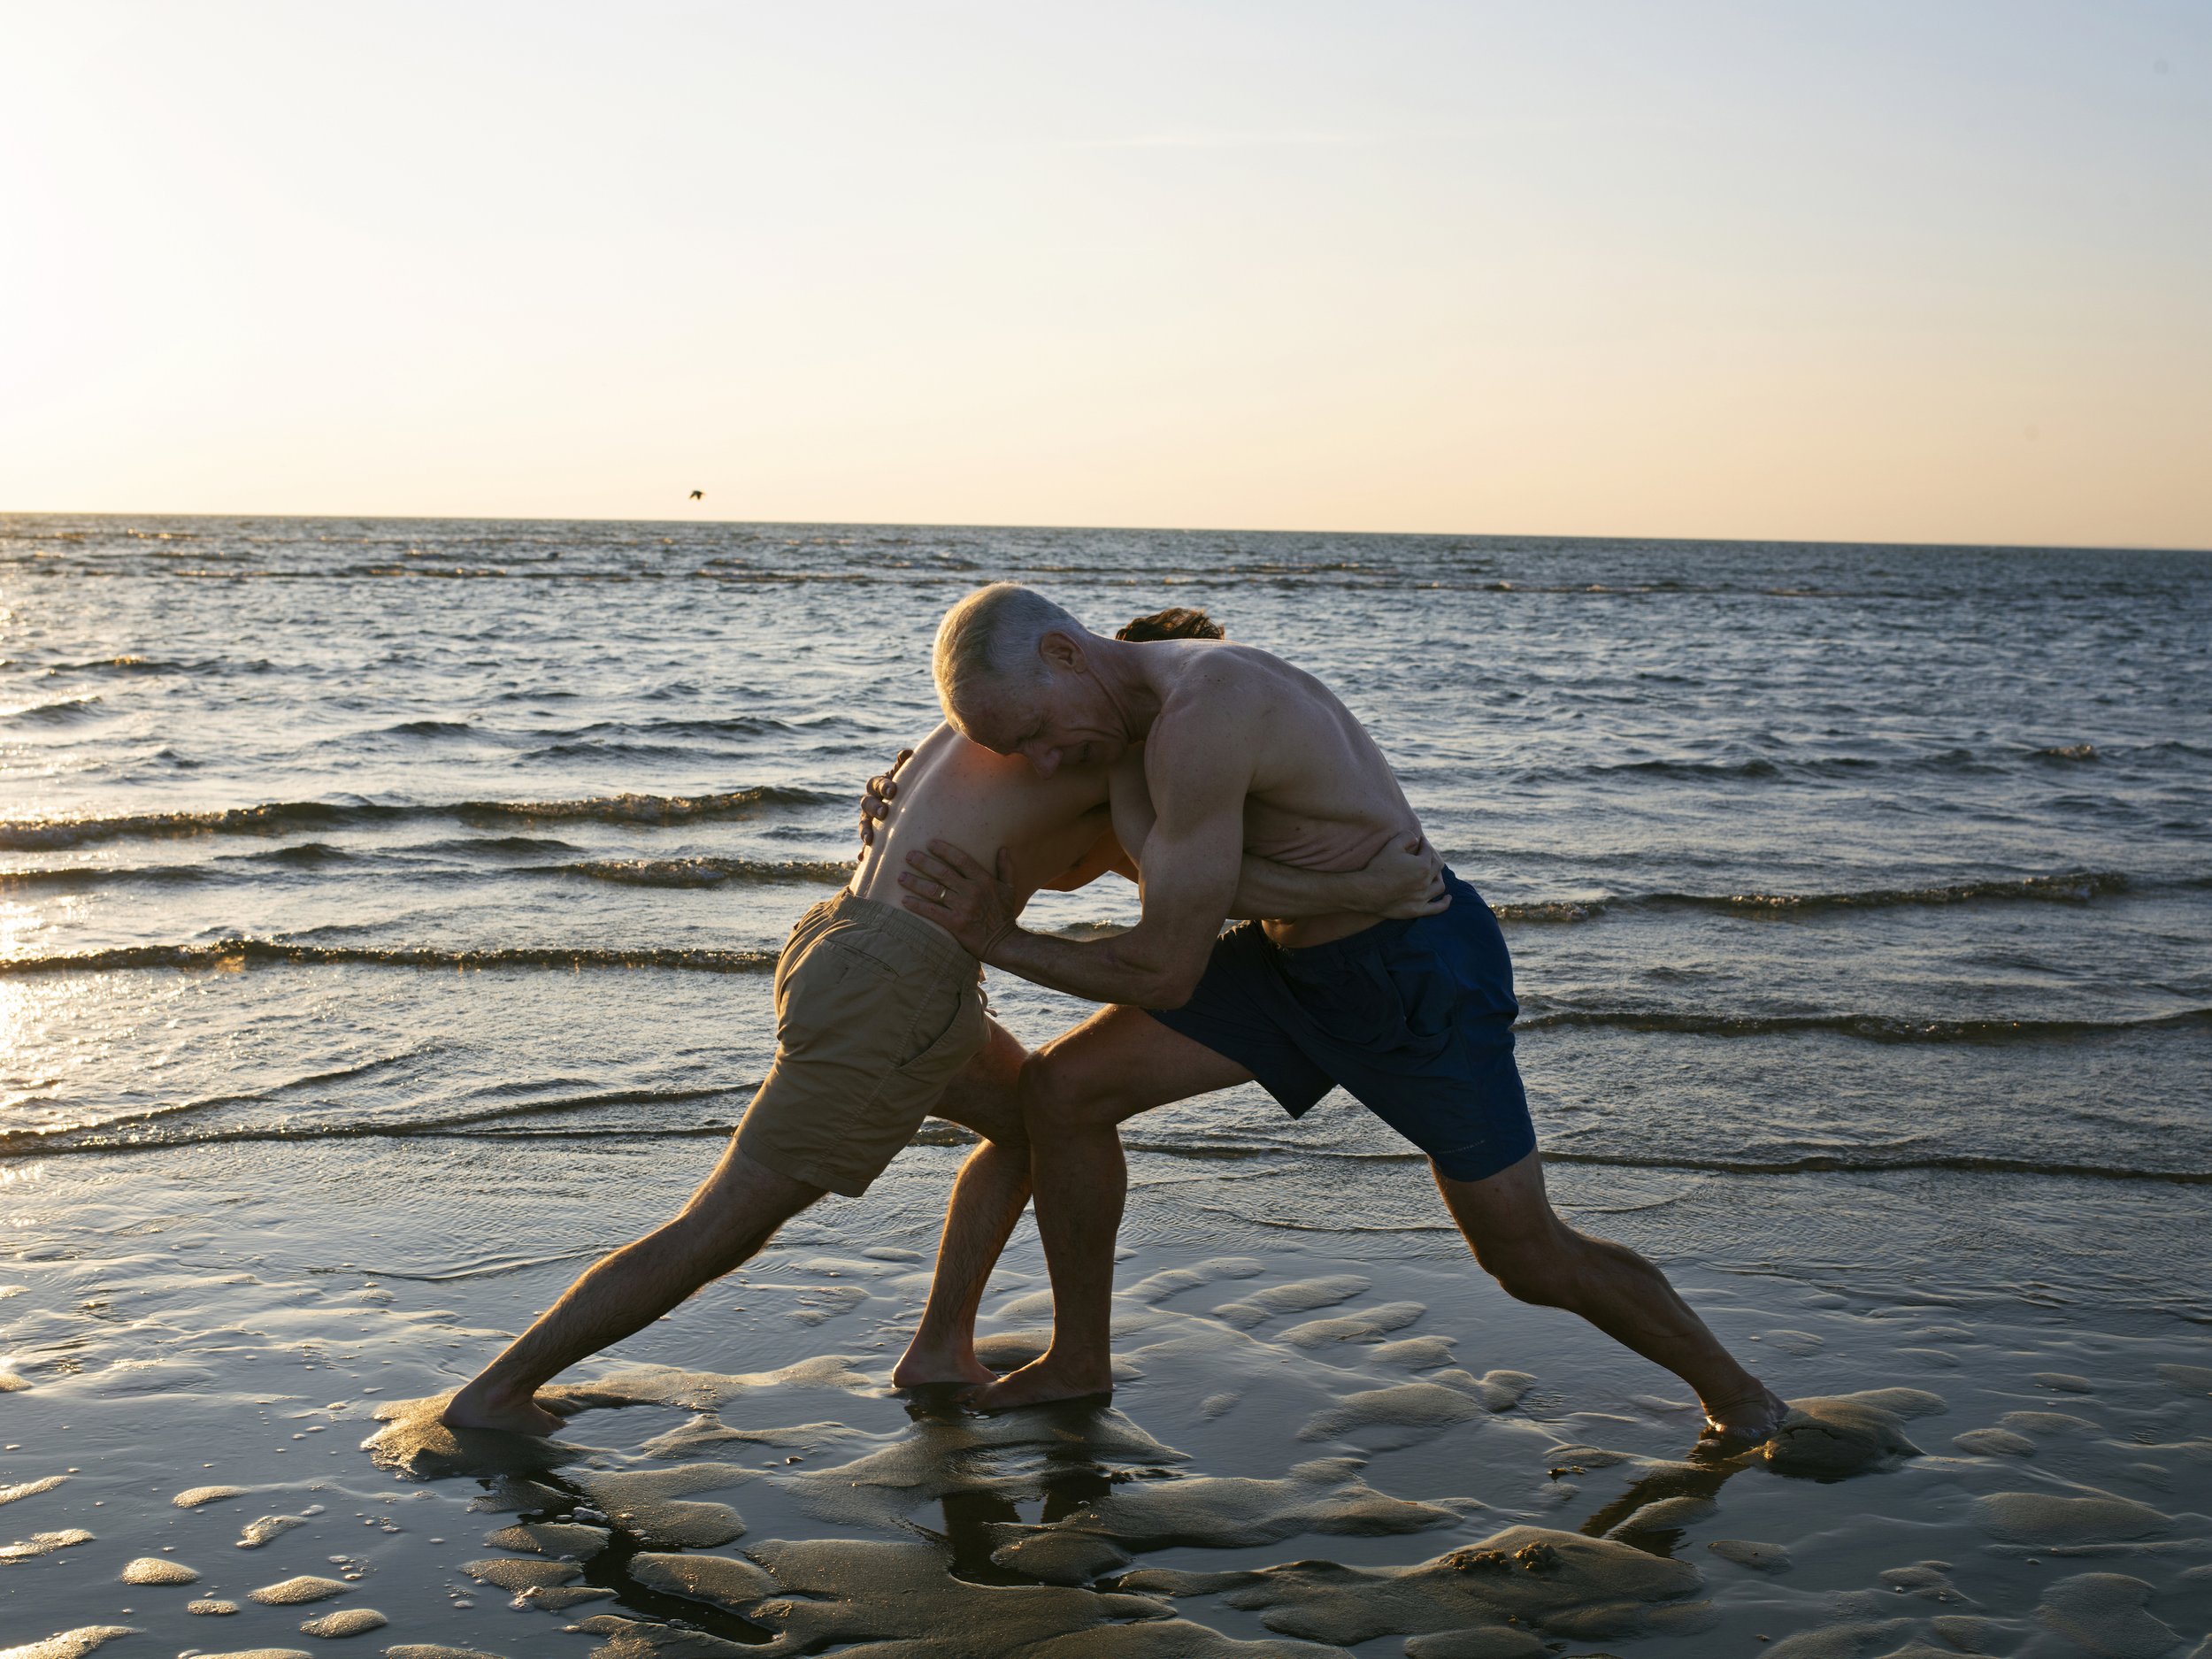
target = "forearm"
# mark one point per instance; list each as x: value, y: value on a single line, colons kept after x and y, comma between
x: 1129, y: 968
x: 1267, y: 890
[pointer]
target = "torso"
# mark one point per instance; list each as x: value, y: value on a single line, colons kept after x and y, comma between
x: 1322, y: 796
x: 957, y: 791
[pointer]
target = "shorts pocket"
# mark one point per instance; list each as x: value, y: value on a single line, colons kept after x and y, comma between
x: 964, y: 1029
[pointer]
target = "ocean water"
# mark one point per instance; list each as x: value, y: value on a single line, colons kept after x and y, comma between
x: 395, y: 902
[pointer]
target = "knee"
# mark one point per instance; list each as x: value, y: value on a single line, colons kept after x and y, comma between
x: 1055, y: 1091
x: 1542, y: 1277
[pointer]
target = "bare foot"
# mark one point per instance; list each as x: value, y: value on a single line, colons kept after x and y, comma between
x: 1044, y: 1380
x: 919, y: 1367
x: 469, y: 1409
x: 1734, y: 1427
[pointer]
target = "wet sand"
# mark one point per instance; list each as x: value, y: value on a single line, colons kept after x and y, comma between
x: 221, y: 1375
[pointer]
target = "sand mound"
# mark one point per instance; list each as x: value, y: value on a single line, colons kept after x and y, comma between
x: 1369, y: 1325
x: 2191, y: 1379
x: 1499, y: 1642
x: 1994, y: 1443
x: 1383, y: 1419
x: 44, y: 1544
x: 1665, y: 1514
x: 2048, y: 1521
x: 213, y: 1606
x: 727, y: 1580
x: 157, y: 1570
x: 193, y: 1497
x: 1175, y: 1280
x: 1061, y: 1555
x: 261, y: 1653
x: 1839, y: 1641
x: 704, y: 1390
x: 627, y: 1638
x: 1296, y: 1297
x: 1221, y: 1512
x: 510, y: 1574
x: 295, y: 1592
x: 31, y: 1488
x: 2046, y: 1423
x: 70, y: 1644
x: 838, y: 1591
x: 559, y: 1598
x: 1559, y: 1582
x: 2104, y: 1613
x: 1414, y: 1352
x: 707, y: 1434
x: 432, y: 1650
x: 1745, y: 1553
x: 2063, y: 1382
x: 648, y: 1504
x: 414, y: 1442
x: 353, y: 1621
x: 1830, y: 1435
x: 564, y: 1540
x: 940, y: 1455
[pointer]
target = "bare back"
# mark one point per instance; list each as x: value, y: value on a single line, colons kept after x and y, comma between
x: 958, y: 791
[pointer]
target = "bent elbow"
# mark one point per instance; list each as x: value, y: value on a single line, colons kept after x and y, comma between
x: 1170, y: 989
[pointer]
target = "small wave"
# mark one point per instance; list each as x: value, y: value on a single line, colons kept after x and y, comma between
x: 241, y: 952
x: 64, y: 711
x: 121, y: 665
x: 429, y: 728
x: 707, y: 872
x: 2070, y: 887
x: 142, y: 1133
x: 285, y: 818
x: 1873, y: 1027
x: 1827, y: 1163
x: 1552, y: 912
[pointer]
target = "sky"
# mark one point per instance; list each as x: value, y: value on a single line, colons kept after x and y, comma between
x: 1767, y: 269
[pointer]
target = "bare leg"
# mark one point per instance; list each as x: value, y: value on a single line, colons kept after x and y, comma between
x: 1520, y: 1240
x: 728, y: 1220
x: 1074, y: 1091
x: 987, y: 1200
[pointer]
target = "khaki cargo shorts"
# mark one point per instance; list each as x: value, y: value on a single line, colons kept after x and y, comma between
x: 876, y: 1008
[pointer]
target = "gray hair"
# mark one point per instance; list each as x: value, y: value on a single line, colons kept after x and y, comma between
x: 993, y: 635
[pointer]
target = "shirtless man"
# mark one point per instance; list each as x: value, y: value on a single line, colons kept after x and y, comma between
x: 879, y: 1021
x: 1245, y: 756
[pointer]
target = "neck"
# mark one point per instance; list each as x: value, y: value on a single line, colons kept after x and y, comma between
x: 1123, y: 675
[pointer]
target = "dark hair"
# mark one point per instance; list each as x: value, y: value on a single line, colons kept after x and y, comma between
x: 1177, y: 622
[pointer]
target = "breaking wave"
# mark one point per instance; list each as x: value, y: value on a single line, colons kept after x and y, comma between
x: 285, y: 818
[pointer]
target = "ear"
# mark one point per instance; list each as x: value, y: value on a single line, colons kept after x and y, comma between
x: 1061, y: 652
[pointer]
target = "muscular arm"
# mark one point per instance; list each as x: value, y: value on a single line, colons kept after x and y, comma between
x: 1198, y: 774
x: 1403, y: 879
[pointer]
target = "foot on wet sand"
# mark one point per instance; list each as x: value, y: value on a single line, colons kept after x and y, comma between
x: 1044, y: 1381
x: 920, y: 1367
x: 469, y: 1410
x: 1736, y: 1427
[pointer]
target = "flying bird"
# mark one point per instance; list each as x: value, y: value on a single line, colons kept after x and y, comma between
x: 698, y: 494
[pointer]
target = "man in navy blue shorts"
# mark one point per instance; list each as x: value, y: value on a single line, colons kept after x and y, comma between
x: 1219, y: 751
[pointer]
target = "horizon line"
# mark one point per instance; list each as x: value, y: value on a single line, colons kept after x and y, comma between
x: 1141, y: 529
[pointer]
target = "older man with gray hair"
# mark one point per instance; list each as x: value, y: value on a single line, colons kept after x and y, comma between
x: 1244, y: 755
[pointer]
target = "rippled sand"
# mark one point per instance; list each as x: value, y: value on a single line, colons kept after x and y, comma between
x: 226, y: 1440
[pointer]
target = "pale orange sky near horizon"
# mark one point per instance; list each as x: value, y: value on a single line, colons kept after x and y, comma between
x: 1876, y: 272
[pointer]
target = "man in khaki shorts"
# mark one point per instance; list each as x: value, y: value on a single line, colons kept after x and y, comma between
x: 881, y: 1022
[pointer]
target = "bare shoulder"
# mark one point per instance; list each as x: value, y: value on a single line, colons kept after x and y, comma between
x: 1224, y: 695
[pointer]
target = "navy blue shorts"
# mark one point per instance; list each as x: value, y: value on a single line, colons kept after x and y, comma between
x: 1414, y: 1018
